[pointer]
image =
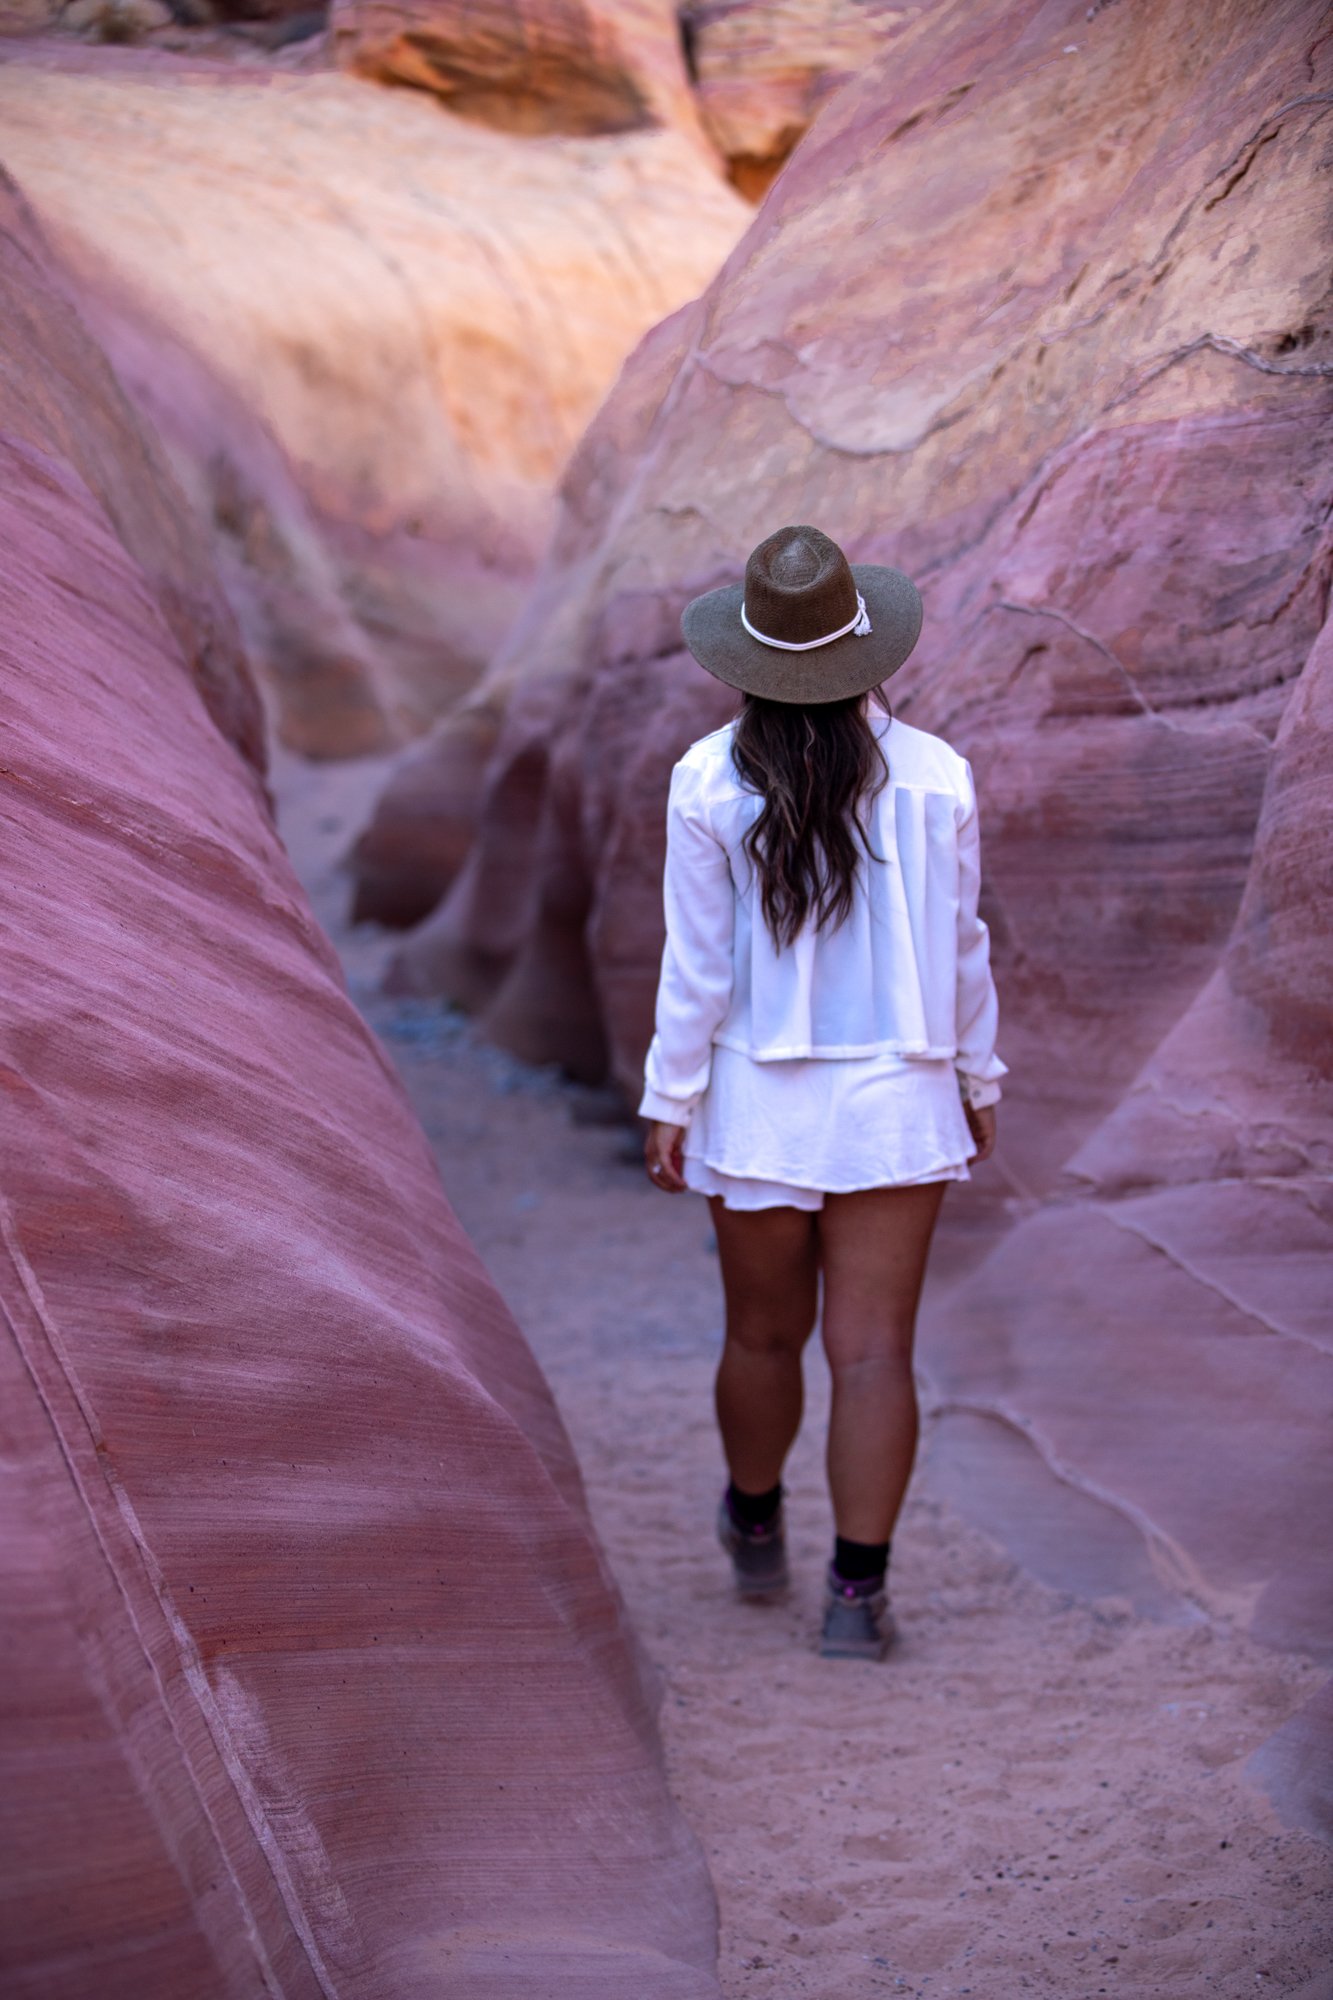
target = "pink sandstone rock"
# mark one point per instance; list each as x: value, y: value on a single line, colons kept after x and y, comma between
x: 1159, y: 1328
x: 369, y: 334
x: 1038, y: 310
x: 572, y: 66
x: 315, y: 1680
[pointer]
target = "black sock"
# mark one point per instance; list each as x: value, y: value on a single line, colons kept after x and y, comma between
x: 860, y: 1562
x: 753, y: 1510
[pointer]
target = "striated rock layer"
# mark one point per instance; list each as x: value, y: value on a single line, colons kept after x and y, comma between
x: 1160, y: 1328
x: 370, y: 335
x: 315, y: 1680
x: 1039, y: 311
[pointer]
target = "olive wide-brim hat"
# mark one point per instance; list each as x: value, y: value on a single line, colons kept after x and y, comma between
x: 806, y: 625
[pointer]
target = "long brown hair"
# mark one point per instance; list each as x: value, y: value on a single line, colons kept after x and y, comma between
x: 817, y: 770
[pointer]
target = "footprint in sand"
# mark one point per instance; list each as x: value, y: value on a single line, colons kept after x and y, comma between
x: 811, y: 1906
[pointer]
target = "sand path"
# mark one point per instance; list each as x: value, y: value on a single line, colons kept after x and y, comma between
x: 1032, y: 1796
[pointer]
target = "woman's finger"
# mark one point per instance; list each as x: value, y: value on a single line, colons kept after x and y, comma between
x: 663, y: 1175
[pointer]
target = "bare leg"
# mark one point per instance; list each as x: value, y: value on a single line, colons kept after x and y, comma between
x: 770, y: 1276
x: 874, y: 1247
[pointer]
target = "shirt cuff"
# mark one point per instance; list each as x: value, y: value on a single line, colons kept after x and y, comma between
x: 976, y: 1091
x: 666, y: 1110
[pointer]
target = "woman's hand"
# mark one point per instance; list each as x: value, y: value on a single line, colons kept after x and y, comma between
x: 662, y: 1156
x: 981, y: 1124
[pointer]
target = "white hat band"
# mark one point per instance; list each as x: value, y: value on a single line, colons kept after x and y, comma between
x: 860, y: 625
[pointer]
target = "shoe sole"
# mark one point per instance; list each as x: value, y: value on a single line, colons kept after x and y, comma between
x: 750, y: 1585
x: 850, y: 1651
x: 850, y: 1648
x: 747, y: 1586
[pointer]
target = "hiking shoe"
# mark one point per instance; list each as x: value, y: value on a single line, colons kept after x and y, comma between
x: 758, y: 1555
x: 858, y: 1624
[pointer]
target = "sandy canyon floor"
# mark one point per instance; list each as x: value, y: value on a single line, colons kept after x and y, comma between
x: 1032, y: 1795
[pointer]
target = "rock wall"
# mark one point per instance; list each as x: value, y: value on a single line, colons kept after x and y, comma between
x: 369, y: 333
x: 1039, y: 310
x: 315, y: 1679
x: 1157, y: 1332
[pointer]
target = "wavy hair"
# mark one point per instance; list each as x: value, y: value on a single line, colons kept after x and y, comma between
x: 817, y: 769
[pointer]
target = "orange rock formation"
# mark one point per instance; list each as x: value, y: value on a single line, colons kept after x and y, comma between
x: 762, y: 68
x: 572, y: 66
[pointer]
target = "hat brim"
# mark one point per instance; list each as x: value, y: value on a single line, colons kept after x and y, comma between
x: 845, y: 667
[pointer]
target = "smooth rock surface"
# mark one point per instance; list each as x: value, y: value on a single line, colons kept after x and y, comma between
x: 1038, y: 311
x: 369, y: 333
x: 1183, y: 1263
x: 315, y: 1679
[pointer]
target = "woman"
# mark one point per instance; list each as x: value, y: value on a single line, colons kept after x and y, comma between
x: 824, y: 1057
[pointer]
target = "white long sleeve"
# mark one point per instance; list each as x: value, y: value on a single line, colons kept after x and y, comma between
x: 694, y: 989
x: 979, y: 1068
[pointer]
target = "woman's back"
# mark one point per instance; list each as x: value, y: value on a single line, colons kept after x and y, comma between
x: 894, y: 975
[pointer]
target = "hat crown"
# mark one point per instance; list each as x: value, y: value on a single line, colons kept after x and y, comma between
x: 799, y: 587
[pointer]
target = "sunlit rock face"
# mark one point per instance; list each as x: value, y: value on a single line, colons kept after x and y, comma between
x: 60, y: 400
x: 762, y: 68
x: 370, y: 334
x: 573, y: 66
x: 1039, y: 311
x: 314, y: 1679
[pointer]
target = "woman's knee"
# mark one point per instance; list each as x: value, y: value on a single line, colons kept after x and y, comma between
x: 770, y: 1334
x: 871, y: 1367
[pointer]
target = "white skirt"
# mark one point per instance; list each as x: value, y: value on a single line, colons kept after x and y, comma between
x: 785, y: 1134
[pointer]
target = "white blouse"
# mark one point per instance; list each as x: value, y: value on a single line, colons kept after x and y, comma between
x: 907, y: 974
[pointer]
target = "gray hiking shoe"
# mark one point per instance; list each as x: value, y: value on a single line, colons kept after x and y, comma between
x: 758, y: 1555
x: 858, y: 1624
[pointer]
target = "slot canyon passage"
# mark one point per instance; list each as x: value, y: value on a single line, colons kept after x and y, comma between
x: 377, y: 385
x: 1044, y: 1790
